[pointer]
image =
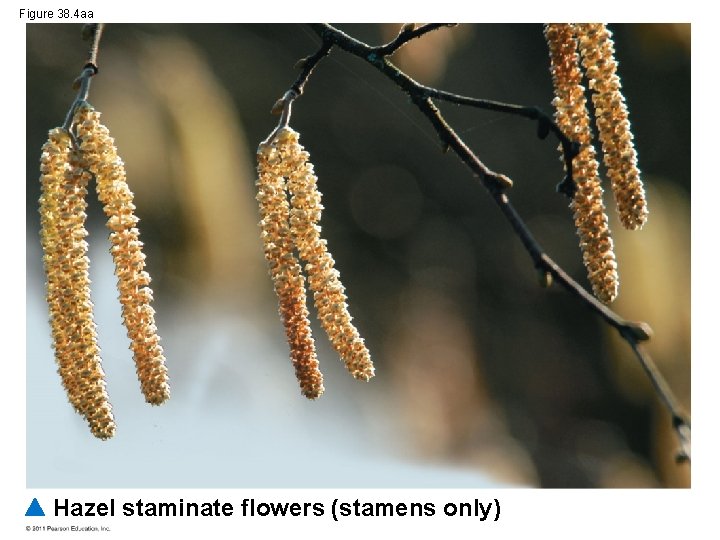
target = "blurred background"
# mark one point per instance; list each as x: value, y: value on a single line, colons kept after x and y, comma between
x: 483, y: 378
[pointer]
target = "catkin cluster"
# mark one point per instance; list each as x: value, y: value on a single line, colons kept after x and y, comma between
x: 290, y: 209
x: 573, y: 118
x: 66, y: 166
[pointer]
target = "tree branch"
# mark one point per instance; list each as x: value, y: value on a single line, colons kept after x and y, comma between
x: 407, y: 33
x: 496, y: 184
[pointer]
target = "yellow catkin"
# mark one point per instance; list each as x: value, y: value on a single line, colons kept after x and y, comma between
x: 62, y: 216
x: 285, y: 270
x: 323, y: 277
x: 101, y: 158
x: 611, y: 114
x: 572, y: 117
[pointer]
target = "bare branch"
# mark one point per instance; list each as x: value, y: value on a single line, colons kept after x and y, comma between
x: 407, y: 33
x: 497, y: 184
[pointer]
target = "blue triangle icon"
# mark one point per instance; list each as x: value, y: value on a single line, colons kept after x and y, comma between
x: 34, y: 509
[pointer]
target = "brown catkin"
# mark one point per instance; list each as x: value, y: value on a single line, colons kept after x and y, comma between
x: 611, y: 115
x: 572, y: 117
x: 323, y: 277
x: 101, y: 158
x: 62, y: 216
x: 285, y: 269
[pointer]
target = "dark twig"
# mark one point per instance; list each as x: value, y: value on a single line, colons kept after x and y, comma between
x: 680, y: 423
x: 283, y: 106
x: 307, y: 65
x: 414, y: 88
x: 497, y: 184
x: 545, y: 125
x: 407, y: 33
x: 92, y: 32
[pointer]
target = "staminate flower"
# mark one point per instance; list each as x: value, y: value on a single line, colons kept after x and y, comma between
x: 285, y: 269
x: 62, y: 217
x: 323, y: 277
x: 101, y: 158
x: 573, y: 118
x: 598, y: 58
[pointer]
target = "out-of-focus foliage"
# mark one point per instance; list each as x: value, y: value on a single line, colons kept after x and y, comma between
x: 477, y: 366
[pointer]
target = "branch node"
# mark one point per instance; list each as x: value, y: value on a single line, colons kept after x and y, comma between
x: 545, y: 278
x: 93, y: 67
x: 278, y: 107
x: 502, y: 182
x: 639, y: 331
x: 543, y: 129
x: 567, y: 187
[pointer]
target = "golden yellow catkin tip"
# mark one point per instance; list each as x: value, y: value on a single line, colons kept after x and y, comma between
x: 572, y: 117
x: 135, y: 296
x: 611, y: 114
x: 323, y: 278
x: 285, y: 270
x: 62, y: 217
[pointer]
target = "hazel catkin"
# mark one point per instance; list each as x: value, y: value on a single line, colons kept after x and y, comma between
x: 611, y: 116
x: 290, y: 209
x: 62, y: 216
x: 572, y: 116
x: 323, y: 277
x: 101, y: 158
x: 285, y: 270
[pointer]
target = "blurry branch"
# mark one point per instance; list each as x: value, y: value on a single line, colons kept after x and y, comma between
x: 92, y: 33
x: 497, y: 184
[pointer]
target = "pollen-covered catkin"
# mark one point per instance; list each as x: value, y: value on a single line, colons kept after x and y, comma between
x: 285, y: 270
x: 62, y: 216
x: 323, y: 277
x: 101, y: 157
x: 611, y: 115
x: 572, y: 117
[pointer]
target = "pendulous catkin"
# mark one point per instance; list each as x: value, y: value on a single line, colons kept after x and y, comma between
x: 62, y: 216
x: 285, y: 172
x: 285, y: 269
x: 323, y: 277
x: 611, y: 115
x: 571, y: 115
x: 101, y: 158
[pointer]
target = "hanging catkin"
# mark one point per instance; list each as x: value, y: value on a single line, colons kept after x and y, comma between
x: 135, y: 296
x: 285, y: 269
x: 285, y: 172
x: 571, y: 115
x: 62, y: 216
x: 611, y: 115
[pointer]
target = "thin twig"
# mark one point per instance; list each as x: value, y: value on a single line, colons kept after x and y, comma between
x: 308, y: 64
x: 497, y: 184
x: 407, y: 33
x: 93, y: 32
x: 546, y: 125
